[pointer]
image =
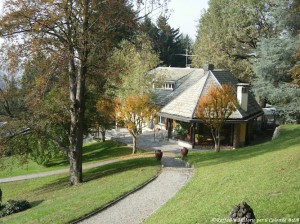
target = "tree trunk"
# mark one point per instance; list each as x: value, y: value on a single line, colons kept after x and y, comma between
x: 133, y: 144
x: 75, y: 157
x: 77, y: 75
x: 216, y: 136
x: 217, y: 145
x: 103, y: 135
x: 76, y: 141
x: 77, y: 88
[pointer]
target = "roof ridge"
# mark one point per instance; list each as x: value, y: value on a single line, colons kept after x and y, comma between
x: 185, y: 76
x: 207, y: 76
x: 186, y: 91
x: 237, y: 107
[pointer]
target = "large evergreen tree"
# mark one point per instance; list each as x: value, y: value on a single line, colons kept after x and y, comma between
x: 228, y: 34
x: 277, y: 63
x: 186, y: 44
x: 168, y: 42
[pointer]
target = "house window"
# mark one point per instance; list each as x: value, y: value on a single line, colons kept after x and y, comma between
x: 169, y: 85
x: 162, y: 120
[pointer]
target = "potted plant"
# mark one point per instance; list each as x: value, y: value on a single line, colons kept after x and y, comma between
x: 158, y: 154
x: 184, y: 151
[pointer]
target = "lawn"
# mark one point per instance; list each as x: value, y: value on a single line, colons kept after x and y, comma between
x: 91, y: 152
x: 266, y: 176
x: 55, y: 202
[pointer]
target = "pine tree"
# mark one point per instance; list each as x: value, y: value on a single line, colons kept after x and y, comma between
x: 167, y: 41
x: 277, y: 62
x: 228, y: 34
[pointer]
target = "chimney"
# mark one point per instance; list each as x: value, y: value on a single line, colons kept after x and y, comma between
x: 208, y: 67
x: 242, y: 95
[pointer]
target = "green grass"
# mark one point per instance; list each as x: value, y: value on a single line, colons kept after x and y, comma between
x: 266, y: 176
x: 55, y: 202
x: 91, y: 152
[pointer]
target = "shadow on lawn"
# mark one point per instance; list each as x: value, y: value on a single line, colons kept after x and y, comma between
x: 95, y: 152
x: 100, y: 172
x: 288, y: 138
x: 104, y: 150
x: 36, y: 203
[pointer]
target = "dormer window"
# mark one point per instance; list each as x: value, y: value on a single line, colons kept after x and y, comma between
x: 169, y: 85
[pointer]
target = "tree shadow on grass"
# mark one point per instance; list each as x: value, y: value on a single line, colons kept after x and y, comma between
x: 100, y: 172
x: 289, y: 136
x: 118, y: 167
x: 36, y: 203
x: 95, y: 152
x: 104, y: 150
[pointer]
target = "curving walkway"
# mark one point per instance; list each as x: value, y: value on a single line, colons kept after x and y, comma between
x: 141, y: 204
x: 66, y: 170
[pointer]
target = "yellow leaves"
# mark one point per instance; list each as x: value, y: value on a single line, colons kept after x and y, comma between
x: 106, y: 107
x: 132, y: 106
x: 296, y: 75
x: 132, y: 110
x: 217, y: 105
x: 295, y: 72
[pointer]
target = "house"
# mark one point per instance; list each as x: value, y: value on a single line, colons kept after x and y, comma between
x: 178, y: 97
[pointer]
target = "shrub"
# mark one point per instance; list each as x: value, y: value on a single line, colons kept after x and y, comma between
x: 12, y: 206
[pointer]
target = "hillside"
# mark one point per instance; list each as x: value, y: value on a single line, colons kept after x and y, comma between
x: 266, y: 176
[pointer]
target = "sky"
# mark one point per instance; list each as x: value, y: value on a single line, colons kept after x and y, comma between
x: 185, y: 15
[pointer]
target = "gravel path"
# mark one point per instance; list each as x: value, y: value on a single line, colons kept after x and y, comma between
x: 140, y: 205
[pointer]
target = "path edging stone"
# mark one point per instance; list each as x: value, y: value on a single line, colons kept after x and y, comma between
x: 111, y: 203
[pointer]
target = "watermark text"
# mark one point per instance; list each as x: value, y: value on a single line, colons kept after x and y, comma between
x: 266, y: 220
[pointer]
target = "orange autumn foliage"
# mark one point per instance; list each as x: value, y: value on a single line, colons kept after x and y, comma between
x: 133, y: 110
x: 215, y: 108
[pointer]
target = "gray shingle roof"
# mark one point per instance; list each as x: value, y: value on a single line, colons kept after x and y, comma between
x: 184, y: 104
x: 183, y: 77
x: 225, y: 77
x: 190, y: 85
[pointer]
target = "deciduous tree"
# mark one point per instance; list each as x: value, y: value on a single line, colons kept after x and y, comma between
x: 106, y: 115
x: 12, y: 111
x: 215, y: 107
x: 133, y: 110
x: 131, y: 64
x: 38, y: 125
x: 80, y: 32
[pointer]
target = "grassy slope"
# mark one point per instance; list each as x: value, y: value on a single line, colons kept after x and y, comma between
x: 91, y: 152
x: 55, y: 202
x: 266, y: 176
